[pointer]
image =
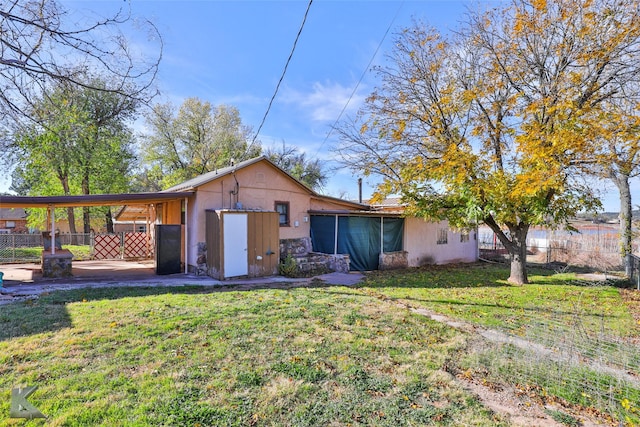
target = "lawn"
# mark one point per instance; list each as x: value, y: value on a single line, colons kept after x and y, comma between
x: 181, y: 356
x: 7, y: 254
x: 312, y: 356
x: 588, y: 329
x: 480, y: 294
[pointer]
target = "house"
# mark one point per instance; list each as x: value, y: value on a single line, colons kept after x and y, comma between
x: 432, y: 242
x: 13, y: 220
x: 243, y: 219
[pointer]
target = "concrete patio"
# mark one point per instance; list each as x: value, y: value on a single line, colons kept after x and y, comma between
x: 23, y: 281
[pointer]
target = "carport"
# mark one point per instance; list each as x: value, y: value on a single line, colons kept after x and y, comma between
x: 146, y: 201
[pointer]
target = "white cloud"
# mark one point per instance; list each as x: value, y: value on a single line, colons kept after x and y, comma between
x: 325, y: 101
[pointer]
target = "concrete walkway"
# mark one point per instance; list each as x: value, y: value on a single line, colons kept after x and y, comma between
x: 24, y: 281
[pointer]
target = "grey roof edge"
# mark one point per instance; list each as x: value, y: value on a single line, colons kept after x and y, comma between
x: 191, y: 184
x: 207, y: 177
x: 12, y: 213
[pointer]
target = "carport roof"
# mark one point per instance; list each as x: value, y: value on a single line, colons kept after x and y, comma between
x: 90, y: 200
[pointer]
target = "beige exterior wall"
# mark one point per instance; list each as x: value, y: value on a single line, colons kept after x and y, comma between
x: 421, y: 243
x: 260, y: 185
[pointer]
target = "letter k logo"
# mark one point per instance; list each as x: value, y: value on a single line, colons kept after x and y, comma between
x: 20, y: 408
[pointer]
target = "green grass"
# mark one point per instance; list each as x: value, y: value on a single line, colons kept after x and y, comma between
x: 550, y: 310
x: 481, y: 294
x: 80, y: 252
x: 563, y: 418
x: 181, y: 356
x: 299, y: 357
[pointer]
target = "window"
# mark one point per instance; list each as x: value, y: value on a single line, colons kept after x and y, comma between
x: 442, y: 236
x: 10, y: 224
x: 283, y: 211
x: 464, y: 236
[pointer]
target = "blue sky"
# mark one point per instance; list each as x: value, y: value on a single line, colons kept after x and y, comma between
x: 234, y: 52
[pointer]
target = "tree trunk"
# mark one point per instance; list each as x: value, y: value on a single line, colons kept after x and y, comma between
x: 625, y: 216
x: 109, y: 219
x: 516, y: 244
x: 71, y: 213
x: 518, y: 255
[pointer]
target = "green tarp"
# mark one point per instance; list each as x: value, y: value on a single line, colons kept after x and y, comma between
x: 362, y: 237
x: 323, y: 233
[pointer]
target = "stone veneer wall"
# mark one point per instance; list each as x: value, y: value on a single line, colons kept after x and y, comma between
x: 393, y: 260
x: 201, y: 262
x: 308, y: 261
x: 295, y: 247
x: 58, y: 264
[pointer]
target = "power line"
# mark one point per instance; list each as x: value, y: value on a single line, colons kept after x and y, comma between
x: 266, y: 113
x: 360, y: 80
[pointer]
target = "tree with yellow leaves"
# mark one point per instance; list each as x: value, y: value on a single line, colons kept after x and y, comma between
x: 492, y: 124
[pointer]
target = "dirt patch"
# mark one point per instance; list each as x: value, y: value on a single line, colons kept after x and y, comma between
x: 520, y: 405
x: 520, y: 408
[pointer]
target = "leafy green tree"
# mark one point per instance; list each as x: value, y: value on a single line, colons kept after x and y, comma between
x: 104, y: 144
x: 491, y: 124
x: 197, y: 139
x: 310, y: 172
x: 78, y: 143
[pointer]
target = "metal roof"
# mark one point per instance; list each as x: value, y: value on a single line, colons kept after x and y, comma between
x: 193, y: 183
x: 218, y: 173
x: 90, y: 200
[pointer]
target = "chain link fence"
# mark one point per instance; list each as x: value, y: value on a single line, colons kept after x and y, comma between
x: 20, y: 248
x: 16, y: 248
x: 569, y: 358
x: 599, y: 252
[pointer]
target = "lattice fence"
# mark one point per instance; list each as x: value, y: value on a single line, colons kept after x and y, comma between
x: 28, y: 247
x: 136, y: 245
x: 107, y: 246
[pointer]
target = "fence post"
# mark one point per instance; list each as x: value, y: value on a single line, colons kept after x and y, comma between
x: 636, y: 265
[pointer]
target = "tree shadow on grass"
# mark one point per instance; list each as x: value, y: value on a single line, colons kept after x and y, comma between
x: 441, y: 276
x: 48, y: 313
x: 513, y: 310
x: 30, y: 317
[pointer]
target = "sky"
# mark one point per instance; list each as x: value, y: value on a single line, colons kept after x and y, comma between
x: 234, y: 53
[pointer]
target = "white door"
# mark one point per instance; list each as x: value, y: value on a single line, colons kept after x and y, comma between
x: 235, y: 245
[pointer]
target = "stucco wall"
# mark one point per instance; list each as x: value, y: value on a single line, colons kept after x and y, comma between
x: 421, y: 243
x: 260, y: 185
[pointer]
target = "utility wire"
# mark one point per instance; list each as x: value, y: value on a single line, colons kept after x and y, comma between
x: 360, y: 80
x: 306, y: 13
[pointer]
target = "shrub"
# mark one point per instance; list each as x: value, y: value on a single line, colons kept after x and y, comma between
x: 288, y: 267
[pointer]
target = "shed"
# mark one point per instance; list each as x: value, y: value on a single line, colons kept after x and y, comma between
x: 242, y: 243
